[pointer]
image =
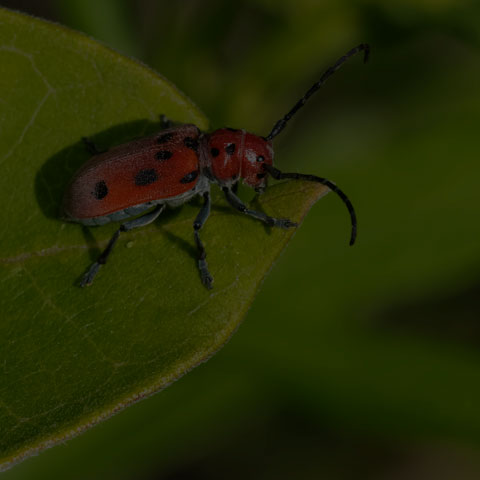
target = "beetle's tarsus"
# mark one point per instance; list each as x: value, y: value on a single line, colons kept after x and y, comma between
x: 87, y: 279
x: 207, y: 279
x: 285, y: 223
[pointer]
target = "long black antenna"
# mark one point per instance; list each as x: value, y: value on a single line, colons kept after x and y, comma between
x: 280, y: 125
x: 278, y: 175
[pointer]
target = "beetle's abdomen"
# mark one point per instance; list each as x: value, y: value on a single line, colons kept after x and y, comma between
x: 159, y: 167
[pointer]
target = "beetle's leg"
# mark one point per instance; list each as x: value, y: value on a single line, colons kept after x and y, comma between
x: 125, y: 227
x: 199, y: 222
x: 278, y: 175
x: 91, y: 147
x: 165, y: 122
x: 271, y: 221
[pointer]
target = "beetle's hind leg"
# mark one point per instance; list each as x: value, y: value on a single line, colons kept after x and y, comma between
x: 125, y: 227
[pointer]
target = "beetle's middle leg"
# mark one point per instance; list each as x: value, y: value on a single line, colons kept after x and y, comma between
x: 199, y: 222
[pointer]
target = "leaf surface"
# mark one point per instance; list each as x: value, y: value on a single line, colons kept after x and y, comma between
x: 71, y: 357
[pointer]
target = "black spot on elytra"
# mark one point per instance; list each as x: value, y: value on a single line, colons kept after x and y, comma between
x: 230, y: 148
x: 166, y: 137
x: 146, y: 177
x: 189, y: 177
x: 190, y: 142
x: 101, y: 190
x: 260, y: 158
x: 215, y: 152
x: 232, y: 129
x: 163, y: 155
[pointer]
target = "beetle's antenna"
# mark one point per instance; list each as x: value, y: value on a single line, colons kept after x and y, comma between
x: 280, y: 125
x: 278, y: 175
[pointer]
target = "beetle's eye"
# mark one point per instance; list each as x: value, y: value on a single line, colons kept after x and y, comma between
x: 260, y: 158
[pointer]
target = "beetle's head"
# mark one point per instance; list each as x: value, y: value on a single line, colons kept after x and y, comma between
x: 257, y: 152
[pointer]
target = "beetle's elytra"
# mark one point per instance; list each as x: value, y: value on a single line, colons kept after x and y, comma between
x: 174, y: 165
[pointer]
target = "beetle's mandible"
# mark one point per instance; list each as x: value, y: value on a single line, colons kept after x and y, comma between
x: 171, y: 167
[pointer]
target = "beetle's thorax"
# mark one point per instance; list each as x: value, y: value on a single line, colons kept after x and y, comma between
x: 228, y: 155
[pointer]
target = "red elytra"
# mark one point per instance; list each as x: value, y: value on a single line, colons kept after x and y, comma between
x: 158, y: 167
x: 176, y: 164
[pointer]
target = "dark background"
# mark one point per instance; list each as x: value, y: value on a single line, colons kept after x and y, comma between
x: 355, y: 362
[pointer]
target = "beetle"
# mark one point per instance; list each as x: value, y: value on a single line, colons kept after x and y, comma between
x: 176, y: 164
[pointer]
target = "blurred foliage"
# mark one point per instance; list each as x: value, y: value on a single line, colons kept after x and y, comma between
x: 371, y: 349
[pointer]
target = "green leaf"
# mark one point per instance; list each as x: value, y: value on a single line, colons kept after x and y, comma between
x: 71, y: 357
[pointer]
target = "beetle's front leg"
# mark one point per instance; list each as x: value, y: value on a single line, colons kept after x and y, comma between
x: 241, y: 207
x: 92, y: 147
x: 199, y: 222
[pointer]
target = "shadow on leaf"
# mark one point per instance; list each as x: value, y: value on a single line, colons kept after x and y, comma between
x: 53, y: 178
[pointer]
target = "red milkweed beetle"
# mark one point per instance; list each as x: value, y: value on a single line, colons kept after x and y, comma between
x: 176, y: 164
